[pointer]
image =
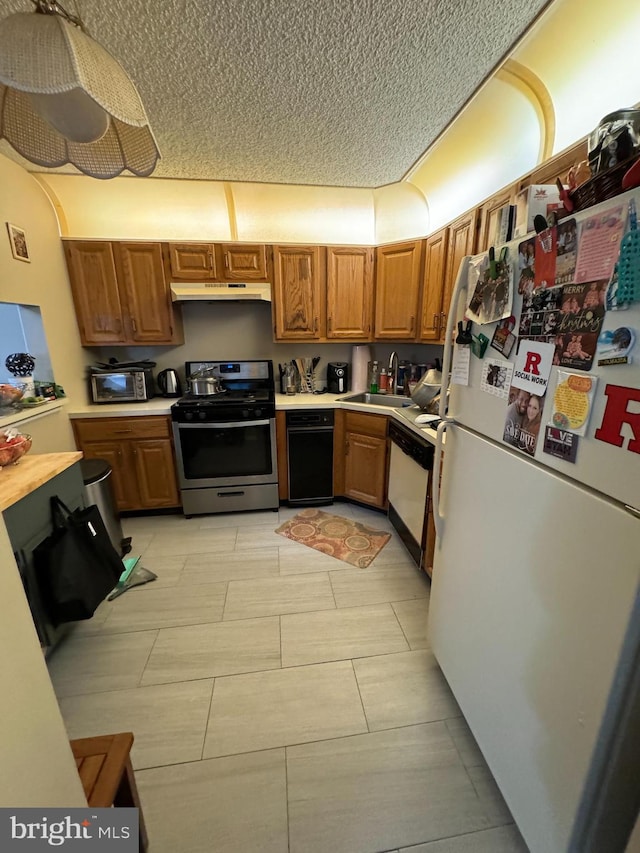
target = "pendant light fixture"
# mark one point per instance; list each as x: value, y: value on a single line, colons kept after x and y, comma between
x: 65, y: 99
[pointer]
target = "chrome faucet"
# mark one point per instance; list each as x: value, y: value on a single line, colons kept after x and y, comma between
x: 393, y: 373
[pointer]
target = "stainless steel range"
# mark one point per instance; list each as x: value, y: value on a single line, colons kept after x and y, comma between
x: 226, y: 442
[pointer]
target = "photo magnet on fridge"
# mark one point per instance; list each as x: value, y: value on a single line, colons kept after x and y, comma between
x: 614, y: 347
x: 572, y: 401
x: 599, y: 245
x: 523, y: 419
x: 566, y: 251
x: 546, y: 249
x: 503, y: 337
x: 533, y: 366
x: 493, y: 293
x: 560, y: 443
x: 496, y: 377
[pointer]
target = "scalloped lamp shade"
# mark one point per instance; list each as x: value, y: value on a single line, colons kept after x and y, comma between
x: 65, y: 99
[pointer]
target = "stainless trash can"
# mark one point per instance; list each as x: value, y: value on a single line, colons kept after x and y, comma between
x: 96, y: 474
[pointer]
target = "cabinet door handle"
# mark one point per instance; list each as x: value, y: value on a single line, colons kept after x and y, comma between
x: 315, y: 324
x: 210, y: 254
x: 133, y: 324
x: 226, y: 261
x: 135, y: 452
x: 443, y: 322
x: 436, y: 322
x: 121, y: 431
x: 346, y: 448
x: 413, y: 323
x: 328, y: 324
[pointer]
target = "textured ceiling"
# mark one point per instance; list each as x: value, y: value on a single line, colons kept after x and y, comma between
x: 327, y: 92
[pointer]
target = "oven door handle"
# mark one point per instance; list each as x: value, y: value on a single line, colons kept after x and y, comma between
x: 223, y: 425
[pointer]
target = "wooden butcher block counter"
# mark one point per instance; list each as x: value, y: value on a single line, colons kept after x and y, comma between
x: 31, y: 472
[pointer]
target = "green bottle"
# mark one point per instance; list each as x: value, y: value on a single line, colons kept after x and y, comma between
x: 373, y: 386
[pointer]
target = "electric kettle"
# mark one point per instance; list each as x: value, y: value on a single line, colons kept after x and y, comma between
x: 168, y: 383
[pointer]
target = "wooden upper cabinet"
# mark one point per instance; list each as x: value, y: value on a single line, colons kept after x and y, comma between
x: 192, y: 262
x: 462, y: 242
x: 219, y: 262
x: 120, y: 294
x: 96, y: 296
x: 244, y: 262
x: 398, y: 273
x: 149, y: 309
x: 435, y: 258
x: 298, y: 309
x: 490, y: 215
x: 349, y: 292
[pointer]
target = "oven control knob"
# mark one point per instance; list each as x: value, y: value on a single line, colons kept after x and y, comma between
x: 245, y: 413
x: 202, y: 415
x: 258, y: 413
x: 188, y: 416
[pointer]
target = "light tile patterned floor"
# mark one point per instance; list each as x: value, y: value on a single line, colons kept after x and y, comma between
x: 281, y: 701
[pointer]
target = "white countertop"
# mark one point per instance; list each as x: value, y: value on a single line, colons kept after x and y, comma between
x: 336, y: 401
x: 162, y: 406
x: 17, y: 417
x: 156, y: 406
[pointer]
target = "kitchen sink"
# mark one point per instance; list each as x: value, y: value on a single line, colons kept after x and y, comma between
x: 392, y: 401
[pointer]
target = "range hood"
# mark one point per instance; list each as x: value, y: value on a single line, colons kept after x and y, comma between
x: 201, y: 291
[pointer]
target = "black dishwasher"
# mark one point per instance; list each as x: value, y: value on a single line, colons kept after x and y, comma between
x: 310, y: 456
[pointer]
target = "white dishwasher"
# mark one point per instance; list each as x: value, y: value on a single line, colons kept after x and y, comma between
x: 409, y: 471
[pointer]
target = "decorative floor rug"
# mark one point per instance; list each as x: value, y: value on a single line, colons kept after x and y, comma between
x: 342, y: 538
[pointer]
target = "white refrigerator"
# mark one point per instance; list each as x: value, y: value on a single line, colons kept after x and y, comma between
x: 536, y: 576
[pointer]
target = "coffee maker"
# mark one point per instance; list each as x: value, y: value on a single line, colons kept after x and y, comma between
x: 337, y: 377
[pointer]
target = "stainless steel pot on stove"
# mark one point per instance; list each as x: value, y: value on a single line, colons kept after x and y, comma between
x: 205, y: 383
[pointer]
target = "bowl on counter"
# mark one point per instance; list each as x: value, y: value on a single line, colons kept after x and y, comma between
x: 13, y: 447
x: 10, y: 395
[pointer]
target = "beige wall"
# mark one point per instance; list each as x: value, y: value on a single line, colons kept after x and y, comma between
x: 228, y: 330
x: 160, y: 209
x: 36, y: 764
x: 42, y: 282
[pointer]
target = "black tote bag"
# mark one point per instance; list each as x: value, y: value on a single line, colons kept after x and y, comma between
x: 77, y: 566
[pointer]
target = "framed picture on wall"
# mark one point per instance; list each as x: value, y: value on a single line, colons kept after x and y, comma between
x: 18, y: 240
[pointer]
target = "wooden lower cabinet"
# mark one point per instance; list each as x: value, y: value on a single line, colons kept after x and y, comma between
x: 365, y: 467
x: 140, y: 453
x: 363, y: 474
x: 152, y: 459
x: 122, y: 477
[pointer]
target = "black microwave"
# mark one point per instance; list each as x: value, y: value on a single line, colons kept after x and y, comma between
x: 129, y: 385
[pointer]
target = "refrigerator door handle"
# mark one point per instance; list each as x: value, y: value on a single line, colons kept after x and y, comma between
x: 438, y: 519
x: 452, y: 318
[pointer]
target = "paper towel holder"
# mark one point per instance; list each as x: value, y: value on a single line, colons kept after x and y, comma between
x: 360, y: 358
